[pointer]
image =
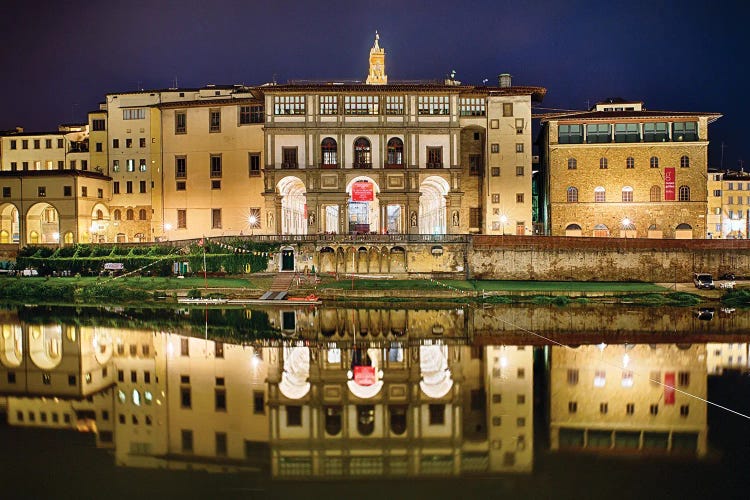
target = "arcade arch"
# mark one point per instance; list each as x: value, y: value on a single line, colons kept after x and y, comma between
x: 293, y: 205
x: 433, y: 191
x: 43, y: 224
x: 9, y: 227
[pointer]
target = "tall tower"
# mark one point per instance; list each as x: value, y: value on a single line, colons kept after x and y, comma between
x: 377, y: 74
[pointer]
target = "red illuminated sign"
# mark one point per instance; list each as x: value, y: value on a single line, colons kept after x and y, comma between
x: 669, y: 388
x: 669, y: 177
x: 362, y: 191
x: 364, y: 375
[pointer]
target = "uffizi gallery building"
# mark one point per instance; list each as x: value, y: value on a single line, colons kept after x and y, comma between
x: 353, y: 157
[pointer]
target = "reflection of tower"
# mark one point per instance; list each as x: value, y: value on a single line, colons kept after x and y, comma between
x: 377, y: 74
x: 629, y: 398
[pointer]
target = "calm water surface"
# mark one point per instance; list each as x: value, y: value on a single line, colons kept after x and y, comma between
x: 527, y: 402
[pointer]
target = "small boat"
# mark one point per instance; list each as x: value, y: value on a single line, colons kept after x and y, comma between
x: 201, y: 301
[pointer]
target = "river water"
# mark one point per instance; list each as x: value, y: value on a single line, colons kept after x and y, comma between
x: 526, y: 401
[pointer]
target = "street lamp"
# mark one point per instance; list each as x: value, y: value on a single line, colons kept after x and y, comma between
x: 167, y: 228
x: 503, y: 220
x: 626, y: 226
x: 252, y: 221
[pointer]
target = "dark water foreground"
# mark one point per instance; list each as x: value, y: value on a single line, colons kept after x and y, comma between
x: 543, y: 402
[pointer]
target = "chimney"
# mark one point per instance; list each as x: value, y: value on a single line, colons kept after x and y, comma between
x: 504, y: 80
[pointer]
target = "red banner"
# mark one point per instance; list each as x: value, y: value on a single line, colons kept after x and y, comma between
x: 669, y: 387
x: 362, y: 191
x: 364, y: 375
x: 669, y: 179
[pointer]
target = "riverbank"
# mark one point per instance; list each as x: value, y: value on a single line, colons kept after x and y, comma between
x: 157, y: 289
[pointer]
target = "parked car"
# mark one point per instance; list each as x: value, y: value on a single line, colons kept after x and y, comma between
x: 703, y: 280
x: 727, y: 276
x: 30, y: 272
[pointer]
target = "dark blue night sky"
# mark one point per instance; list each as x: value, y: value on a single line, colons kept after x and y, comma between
x: 60, y: 58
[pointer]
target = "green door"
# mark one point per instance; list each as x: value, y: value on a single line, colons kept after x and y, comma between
x: 287, y: 260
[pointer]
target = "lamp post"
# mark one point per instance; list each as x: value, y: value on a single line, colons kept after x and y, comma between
x: 167, y: 228
x: 626, y: 225
x: 503, y: 220
x: 252, y: 221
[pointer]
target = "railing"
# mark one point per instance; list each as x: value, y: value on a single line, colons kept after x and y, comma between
x: 393, y: 165
x: 434, y: 165
x: 361, y: 165
x: 289, y: 164
x: 347, y: 238
x: 328, y: 165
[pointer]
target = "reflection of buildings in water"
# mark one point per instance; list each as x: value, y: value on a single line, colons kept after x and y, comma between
x: 614, y: 398
x: 720, y: 357
x: 399, y: 410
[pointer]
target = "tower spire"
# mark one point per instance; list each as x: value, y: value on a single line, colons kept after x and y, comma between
x: 377, y: 74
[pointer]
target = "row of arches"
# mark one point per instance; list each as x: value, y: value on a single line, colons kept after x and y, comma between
x: 629, y: 162
x: 44, y: 345
x: 629, y: 230
x: 362, y: 153
x: 362, y: 260
x: 626, y: 194
x: 364, y: 213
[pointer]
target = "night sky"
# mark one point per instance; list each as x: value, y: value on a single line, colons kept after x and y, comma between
x: 60, y: 58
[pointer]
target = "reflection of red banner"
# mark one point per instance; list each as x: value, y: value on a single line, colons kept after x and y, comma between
x: 362, y: 191
x: 364, y: 375
x: 669, y: 177
x: 669, y: 388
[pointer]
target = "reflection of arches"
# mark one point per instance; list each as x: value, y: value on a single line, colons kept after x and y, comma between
x: 365, y: 379
x: 42, y: 223
x: 398, y: 419
x: 9, y: 228
x: 655, y: 232
x: 573, y: 230
x: 326, y: 260
x: 365, y: 419
x: 333, y: 420
x: 293, y: 205
x: 433, y: 365
x: 102, y: 343
x: 45, y: 345
x: 433, y: 191
x: 68, y: 239
x: 11, y: 346
x: 294, y: 379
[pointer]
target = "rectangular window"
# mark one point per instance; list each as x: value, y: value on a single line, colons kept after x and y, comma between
x: 48, y: 143
x: 130, y: 165
x: 221, y: 444
x: 72, y: 164
x: 394, y: 105
x: 433, y: 105
x: 329, y: 105
x: 254, y: 164
x: 289, y: 105
x: 475, y: 217
x: 495, y: 171
x: 655, y: 132
x: 60, y: 143
x: 434, y: 157
x: 683, y: 379
x: 142, y: 186
x: 180, y: 122
x: 142, y: 142
x: 519, y: 197
x: 598, y: 133
x: 251, y: 114
x: 437, y: 414
x: 180, y: 167
x: 572, y: 406
x: 570, y: 134
x: 685, y: 131
x: 84, y: 191
x: 259, y: 405
x: 129, y: 187
x: 25, y: 165
x: 361, y: 105
x: 215, y: 218
x: 98, y: 124
x: 37, y: 144
x: 184, y: 347
x: 293, y: 416
x: 630, y: 408
x: 519, y: 171
x: 519, y: 147
x: 6, y: 192
x: 41, y: 192
x: 603, y: 408
x: 100, y: 193
x: 134, y: 114
x: 14, y: 166
x: 627, y: 132
x: 13, y: 144
x: 180, y: 186
x: 220, y: 399
x: 115, y: 187
x: 508, y: 109
x: 215, y: 166
x: 494, y: 148
x: 600, y: 378
x: 216, y: 184
x: 475, y: 164
x: 472, y: 106
x: 289, y: 158
x: 128, y: 143
x: 187, y: 441
x: 519, y: 126
x: 84, y: 164
x: 654, y: 409
x: 181, y: 219
x: 496, y: 198
x: 684, y: 410
x: 25, y: 144
x: 214, y: 120
x: 115, y: 165
x: 142, y: 164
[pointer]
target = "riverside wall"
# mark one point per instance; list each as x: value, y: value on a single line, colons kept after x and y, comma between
x: 603, y: 259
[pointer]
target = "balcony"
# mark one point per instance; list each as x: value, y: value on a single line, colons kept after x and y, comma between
x: 289, y: 165
x: 394, y: 165
x: 328, y: 165
x: 434, y: 165
x: 361, y: 165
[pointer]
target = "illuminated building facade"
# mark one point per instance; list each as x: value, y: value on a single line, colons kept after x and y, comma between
x: 729, y: 204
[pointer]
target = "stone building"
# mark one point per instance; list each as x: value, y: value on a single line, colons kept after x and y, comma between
x: 729, y: 204
x: 621, y: 170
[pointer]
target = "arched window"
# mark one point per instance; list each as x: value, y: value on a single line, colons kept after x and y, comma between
x: 603, y: 163
x: 365, y: 419
x: 601, y: 231
x: 600, y: 196
x: 333, y: 420
x: 630, y: 162
x: 655, y: 193
x: 684, y: 161
x: 142, y: 214
x: 654, y: 162
x: 99, y: 215
x: 572, y: 194
x: 627, y: 194
x: 117, y: 215
x: 129, y: 214
x: 572, y: 164
x: 395, y: 153
x: 362, y: 153
x: 398, y: 419
x: 684, y: 193
x: 329, y: 151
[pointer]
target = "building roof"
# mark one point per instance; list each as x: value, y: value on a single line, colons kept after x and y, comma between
x: 208, y: 102
x: 54, y: 173
x: 610, y: 115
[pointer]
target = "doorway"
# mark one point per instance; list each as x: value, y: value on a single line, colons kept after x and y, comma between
x: 287, y: 260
